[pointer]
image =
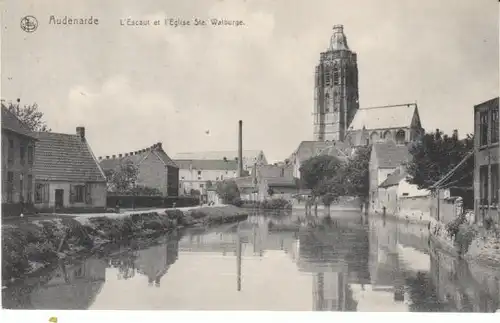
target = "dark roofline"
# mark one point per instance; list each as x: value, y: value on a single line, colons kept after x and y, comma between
x: 28, y: 134
x: 155, y: 146
x: 407, y: 105
x: 486, y: 103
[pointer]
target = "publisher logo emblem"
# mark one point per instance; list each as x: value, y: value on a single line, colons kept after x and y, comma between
x: 29, y: 24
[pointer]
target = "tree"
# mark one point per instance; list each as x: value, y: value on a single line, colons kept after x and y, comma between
x: 228, y: 191
x: 317, y: 169
x: 356, y: 179
x: 436, y: 154
x: 29, y: 115
x: 123, y: 179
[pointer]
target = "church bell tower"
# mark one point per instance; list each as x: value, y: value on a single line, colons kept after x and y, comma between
x: 335, y: 89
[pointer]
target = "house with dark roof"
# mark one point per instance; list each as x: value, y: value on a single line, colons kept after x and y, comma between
x: 18, y: 149
x: 270, y: 181
x: 250, y: 157
x: 197, y: 174
x: 385, y: 158
x: 398, y: 123
x: 155, y: 168
x: 308, y: 149
x: 67, y: 174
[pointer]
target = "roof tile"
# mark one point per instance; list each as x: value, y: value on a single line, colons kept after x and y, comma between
x: 65, y: 157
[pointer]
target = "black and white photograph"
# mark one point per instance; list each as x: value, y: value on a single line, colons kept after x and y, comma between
x: 250, y: 155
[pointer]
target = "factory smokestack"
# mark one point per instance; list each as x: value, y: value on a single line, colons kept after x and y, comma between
x: 240, y: 148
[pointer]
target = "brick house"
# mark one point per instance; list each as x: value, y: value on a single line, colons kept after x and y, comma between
x: 486, y: 160
x: 67, y: 174
x: 264, y: 178
x: 18, y: 149
x: 155, y: 168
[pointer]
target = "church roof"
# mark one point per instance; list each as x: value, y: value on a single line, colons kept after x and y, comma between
x: 386, y: 117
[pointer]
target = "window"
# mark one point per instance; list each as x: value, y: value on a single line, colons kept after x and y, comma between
x: 41, y: 193
x: 79, y: 193
x: 483, y: 128
x: 282, y: 172
x: 494, y: 126
x: 202, y: 185
x: 327, y: 79
x: 495, y: 182
x: 400, y: 137
x: 10, y: 186
x: 182, y: 177
x: 30, y: 188
x: 30, y: 155
x: 335, y: 75
x: 405, y: 194
x: 483, y: 182
x: 21, y: 187
x: 221, y: 177
x: 22, y: 153
x: 10, y: 155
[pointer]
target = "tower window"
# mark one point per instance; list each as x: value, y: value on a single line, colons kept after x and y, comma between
x: 335, y: 75
x: 327, y: 79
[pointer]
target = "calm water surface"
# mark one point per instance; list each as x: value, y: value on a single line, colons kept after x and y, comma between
x: 348, y: 263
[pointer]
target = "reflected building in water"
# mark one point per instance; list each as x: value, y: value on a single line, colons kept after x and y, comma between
x: 337, y: 256
x: 155, y: 261
x: 71, y: 287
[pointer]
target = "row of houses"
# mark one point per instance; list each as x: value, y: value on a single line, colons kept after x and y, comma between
x: 48, y: 170
x: 59, y: 172
x: 390, y: 191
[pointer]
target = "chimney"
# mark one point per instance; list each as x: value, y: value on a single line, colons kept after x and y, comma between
x: 159, y: 145
x: 114, y: 156
x: 107, y: 157
x: 240, y: 148
x: 80, y: 131
x: 100, y: 158
x: 455, y: 134
x: 126, y: 154
x: 120, y: 156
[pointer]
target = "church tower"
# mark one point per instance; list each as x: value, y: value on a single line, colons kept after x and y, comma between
x: 335, y: 89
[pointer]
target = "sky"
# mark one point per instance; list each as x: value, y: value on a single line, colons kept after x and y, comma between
x: 134, y: 86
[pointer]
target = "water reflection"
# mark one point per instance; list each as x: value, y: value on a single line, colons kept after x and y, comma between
x: 347, y: 262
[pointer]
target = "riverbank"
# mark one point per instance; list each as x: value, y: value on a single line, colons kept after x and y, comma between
x: 30, y: 246
x: 471, y: 243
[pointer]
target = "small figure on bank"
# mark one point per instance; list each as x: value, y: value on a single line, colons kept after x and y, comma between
x: 21, y: 203
x: 117, y: 206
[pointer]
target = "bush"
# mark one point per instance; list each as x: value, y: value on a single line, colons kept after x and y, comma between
x: 454, y: 226
x: 269, y: 204
x: 464, y: 237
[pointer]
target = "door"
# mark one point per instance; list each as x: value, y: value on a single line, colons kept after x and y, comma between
x: 59, y: 198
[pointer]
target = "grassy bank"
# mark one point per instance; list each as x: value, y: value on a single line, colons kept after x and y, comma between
x: 468, y: 241
x: 29, y: 246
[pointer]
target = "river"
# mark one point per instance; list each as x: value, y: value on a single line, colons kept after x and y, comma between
x: 346, y: 263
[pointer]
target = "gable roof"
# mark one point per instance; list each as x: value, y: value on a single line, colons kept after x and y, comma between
x: 11, y: 123
x: 137, y: 157
x: 390, y: 155
x: 308, y: 149
x: 386, y: 117
x: 207, y: 164
x: 394, y: 178
x: 65, y: 157
x: 339, y: 149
